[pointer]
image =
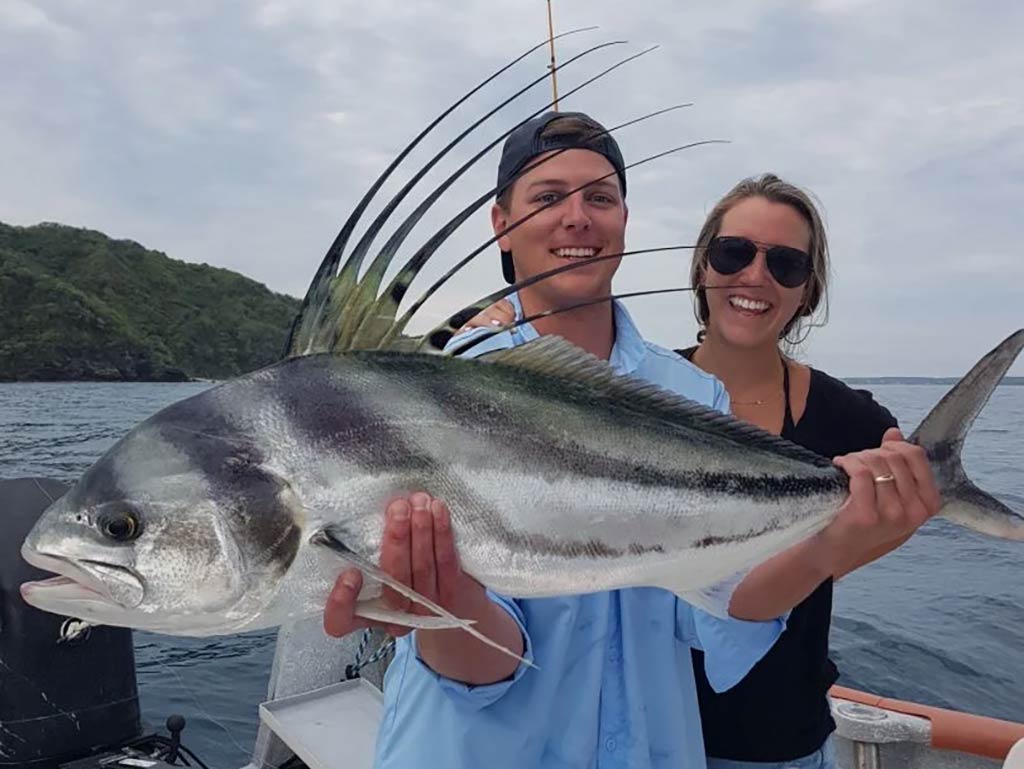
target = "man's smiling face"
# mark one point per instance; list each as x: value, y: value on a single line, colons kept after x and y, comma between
x: 587, y: 223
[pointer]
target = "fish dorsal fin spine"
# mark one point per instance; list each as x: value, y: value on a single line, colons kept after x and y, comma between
x: 553, y: 356
x: 342, y: 310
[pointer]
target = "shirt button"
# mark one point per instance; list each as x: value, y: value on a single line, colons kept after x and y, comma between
x: 610, y: 744
x: 613, y: 655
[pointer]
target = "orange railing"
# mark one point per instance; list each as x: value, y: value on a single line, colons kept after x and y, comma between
x: 976, y: 735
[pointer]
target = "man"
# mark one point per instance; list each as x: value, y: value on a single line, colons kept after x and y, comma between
x: 613, y: 684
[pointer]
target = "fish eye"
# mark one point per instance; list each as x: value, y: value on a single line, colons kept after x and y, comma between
x: 123, y: 526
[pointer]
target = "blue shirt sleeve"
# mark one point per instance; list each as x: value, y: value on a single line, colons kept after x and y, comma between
x: 721, y: 400
x: 731, y: 646
x: 478, y: 697
x: 501, y: 341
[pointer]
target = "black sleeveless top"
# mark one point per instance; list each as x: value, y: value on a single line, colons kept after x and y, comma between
x: 779, y: 711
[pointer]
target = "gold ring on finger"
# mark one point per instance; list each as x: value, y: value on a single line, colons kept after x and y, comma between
x: 887, y: 478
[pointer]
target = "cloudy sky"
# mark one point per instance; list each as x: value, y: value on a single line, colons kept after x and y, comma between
x: 241, y: 133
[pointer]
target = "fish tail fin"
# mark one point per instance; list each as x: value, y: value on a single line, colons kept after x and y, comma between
x: 373, y: 610
x: 975, y: 509
x: 942, y: 435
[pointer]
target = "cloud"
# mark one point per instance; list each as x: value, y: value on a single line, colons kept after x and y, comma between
x: 242, y: 133
x: 23, y: 18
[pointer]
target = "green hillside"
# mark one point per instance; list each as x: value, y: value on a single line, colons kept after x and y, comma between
x: 76, y: 305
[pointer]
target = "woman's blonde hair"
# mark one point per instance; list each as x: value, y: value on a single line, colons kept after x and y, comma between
x: 813, y: 309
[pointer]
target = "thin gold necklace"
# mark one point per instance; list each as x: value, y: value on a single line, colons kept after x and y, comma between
x: 758, y: 402
x: 769, y: 399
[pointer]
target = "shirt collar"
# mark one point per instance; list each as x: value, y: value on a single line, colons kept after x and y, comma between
x: 628, y: 350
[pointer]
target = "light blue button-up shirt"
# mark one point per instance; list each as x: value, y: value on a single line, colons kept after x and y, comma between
x: 613, y: 686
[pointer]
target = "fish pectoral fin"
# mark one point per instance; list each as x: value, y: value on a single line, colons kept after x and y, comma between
x: 327, y: 537
x: 378, y: 610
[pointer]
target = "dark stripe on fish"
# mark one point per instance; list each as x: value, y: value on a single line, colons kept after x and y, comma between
x: 221, y: 447
x: 761, y: 487
x: 472, y: 404
x: 483, y: 516
x: 713, y: 541
x: 99, y: 484
x: 464, y: 405
x: 317, y: 395
x: 592, y: 548
x: 542, y: 545
x: 206, y: 430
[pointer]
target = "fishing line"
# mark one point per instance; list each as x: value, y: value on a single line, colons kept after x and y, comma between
x: 491, y: 331
x: 363, y: 246
x: 400, y: 324
x: 438, y: 337
x: 44, y: 492
x: 368, y: 287
x: 403, y: 280
x: 72, y: 717
x: 203, y: 711
x: 334, y: 253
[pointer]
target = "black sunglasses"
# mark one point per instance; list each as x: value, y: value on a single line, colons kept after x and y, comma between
x: 729, y: 254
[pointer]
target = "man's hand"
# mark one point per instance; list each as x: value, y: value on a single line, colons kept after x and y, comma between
x: 892, y: 494
x: 418, y: 549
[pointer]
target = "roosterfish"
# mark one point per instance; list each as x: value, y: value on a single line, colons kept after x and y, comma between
x: 237, y: 508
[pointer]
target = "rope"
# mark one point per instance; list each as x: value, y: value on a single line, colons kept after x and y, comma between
x: 387, y: 647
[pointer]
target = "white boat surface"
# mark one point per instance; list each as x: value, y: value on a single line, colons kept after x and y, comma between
x: 331, y: 723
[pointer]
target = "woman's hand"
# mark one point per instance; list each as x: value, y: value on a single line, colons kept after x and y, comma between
x: 501, y: 313
x: 892, y: 494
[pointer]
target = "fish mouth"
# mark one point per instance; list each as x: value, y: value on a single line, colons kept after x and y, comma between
x: 80, y: 581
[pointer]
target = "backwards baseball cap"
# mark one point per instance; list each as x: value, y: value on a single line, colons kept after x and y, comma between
x: 526, y: 142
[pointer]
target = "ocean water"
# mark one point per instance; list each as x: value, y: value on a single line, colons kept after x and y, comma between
x: 941, y: 621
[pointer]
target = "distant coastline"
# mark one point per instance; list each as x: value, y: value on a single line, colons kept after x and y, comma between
x: 1012, y: 381
x: 78, y: 306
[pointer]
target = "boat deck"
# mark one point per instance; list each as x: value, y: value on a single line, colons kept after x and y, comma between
x: 333, y: 725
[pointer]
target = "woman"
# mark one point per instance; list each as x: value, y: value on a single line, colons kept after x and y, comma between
x: 764, y: 251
